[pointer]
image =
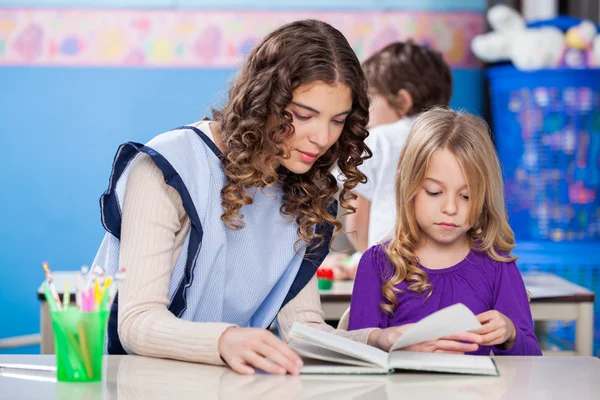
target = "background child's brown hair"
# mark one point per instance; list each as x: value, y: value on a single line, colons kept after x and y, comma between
x: 417, y: 69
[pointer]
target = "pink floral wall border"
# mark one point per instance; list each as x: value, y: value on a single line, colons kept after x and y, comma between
x: 208, y: 38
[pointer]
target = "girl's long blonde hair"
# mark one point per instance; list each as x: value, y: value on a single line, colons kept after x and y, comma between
x: 468, y: 138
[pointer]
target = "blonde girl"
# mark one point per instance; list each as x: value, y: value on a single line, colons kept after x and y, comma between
x: 451, y: 244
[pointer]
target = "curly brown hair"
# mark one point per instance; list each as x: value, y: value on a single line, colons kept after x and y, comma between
x: 295, y: 54
x: 419, y: 70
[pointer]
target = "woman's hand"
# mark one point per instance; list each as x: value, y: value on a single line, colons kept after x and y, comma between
x: 385, y: 339
x: 245, y: 349
x: 497, y: 329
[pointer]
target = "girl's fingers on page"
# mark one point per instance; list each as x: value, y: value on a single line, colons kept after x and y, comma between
x: 452, y: 345
x: 492, y: 338
x: 427, y: 347
x: 489, y: 326
x: 258, y: 361
x: 448, y: 352
x: 285, y: 350
x: 424, y: 347
x: 277, y: 357
x: 486, y: 316
x: 471, y: 337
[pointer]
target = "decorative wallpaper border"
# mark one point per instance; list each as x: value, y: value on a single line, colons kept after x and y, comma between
x: 210, y: 39
x: 340, y: 5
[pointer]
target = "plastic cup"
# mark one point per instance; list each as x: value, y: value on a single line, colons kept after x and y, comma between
x: 79, y: 344
x: 325, y: 284
x: 80, y: 391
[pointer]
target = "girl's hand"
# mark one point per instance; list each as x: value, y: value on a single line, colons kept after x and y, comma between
x: 497, y: 329
x: 385, y: 338
x: 245, y: 349
x: 454, y: 346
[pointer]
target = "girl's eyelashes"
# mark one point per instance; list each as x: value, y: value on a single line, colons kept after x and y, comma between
x: 301, y: 117
x: 433, y: 194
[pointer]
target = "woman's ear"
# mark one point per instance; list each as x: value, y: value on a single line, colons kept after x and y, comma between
x: 404, y: 101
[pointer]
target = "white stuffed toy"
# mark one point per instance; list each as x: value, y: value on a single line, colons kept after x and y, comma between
x: 510, y: 40
x: 579, y: 51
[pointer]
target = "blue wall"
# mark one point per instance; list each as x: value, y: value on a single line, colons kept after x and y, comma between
x: 59, y: 131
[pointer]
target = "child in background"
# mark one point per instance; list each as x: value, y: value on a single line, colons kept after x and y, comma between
x: 404, y: 79
x: 452, y: 242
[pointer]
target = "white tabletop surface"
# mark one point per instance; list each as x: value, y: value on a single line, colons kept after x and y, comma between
x: 131, y: 377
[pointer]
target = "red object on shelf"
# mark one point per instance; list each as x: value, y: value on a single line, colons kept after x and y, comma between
x: 325, y: 273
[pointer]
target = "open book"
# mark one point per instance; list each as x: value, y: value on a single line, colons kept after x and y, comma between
x: 326, y: 353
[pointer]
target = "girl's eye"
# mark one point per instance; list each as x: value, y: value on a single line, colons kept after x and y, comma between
x: 432, y: 194
x: 301, y: 117
x: 464, y: 196
x: 339, y: 122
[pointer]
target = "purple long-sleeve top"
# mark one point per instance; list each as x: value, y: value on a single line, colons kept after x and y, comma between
x: 478, y: 282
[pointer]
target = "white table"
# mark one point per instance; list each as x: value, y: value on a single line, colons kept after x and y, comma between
x: 552, y: 298
x: 131, y: 377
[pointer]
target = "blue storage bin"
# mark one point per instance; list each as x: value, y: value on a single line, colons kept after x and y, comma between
x: 546, y: 125
x: 547, y: 132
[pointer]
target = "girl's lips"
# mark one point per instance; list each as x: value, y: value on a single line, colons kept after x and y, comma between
x: 307, y: 157
x: 447, y: 225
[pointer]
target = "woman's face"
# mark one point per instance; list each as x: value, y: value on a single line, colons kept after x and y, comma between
x: 319, y: 113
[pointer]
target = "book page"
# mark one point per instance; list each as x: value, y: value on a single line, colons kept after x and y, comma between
x: 456, y: 363
x: 319, y: 367
x: 447, y: 321
x: 306, y: 349
x: 339, y: 344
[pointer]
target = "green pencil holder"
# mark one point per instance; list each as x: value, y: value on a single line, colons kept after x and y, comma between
x: 325, y: 284
x: 79, y: 344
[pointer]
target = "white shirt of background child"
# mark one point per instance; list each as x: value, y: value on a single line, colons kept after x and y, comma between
x: 386, y: 142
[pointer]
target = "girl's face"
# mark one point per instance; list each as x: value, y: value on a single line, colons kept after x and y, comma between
x: 442, y: 203
x: 319, y: 113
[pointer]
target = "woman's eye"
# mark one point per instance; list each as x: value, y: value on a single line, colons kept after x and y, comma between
x: 339, y: 122
x: 433, y: 194
x: 464, y: 196
x: 301, y: 117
